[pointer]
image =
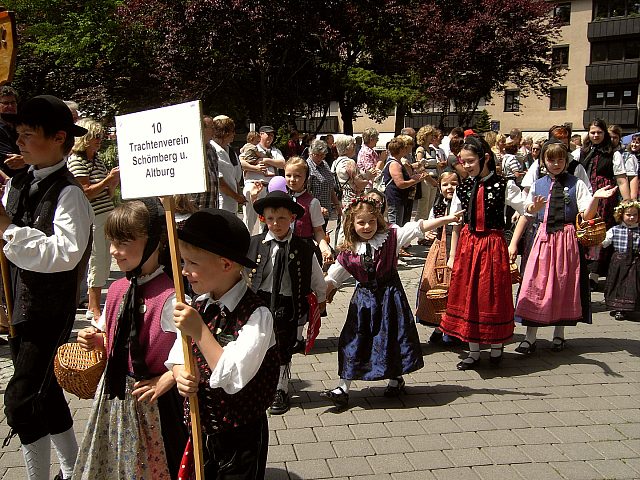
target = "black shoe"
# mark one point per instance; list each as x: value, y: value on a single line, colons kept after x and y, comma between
x: 280, y: 403
x: 59, y: 476
x: 494, y: 361
x: 559, y: 345
x: 339, y: 399
x: 299, y: 346
x: 395, y: 391
x: 464, y: 365
x: 526, y: 347
x: 619, y: 316
x: 436, y: 337
x: 593, y: 285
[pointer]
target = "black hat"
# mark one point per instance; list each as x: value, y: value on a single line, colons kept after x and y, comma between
x: 277, y: 199
x: 220, y: 232
x: 266, y: 129
x: 51, y: 112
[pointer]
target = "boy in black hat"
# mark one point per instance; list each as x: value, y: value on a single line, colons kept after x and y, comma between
x: 47, y: 227
x: 233, y: 344
x: 287, y: 271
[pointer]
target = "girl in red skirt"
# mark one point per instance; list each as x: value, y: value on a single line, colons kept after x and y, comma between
x: 480, y: 306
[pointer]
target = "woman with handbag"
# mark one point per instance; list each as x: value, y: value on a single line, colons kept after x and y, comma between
x: 555, y: 288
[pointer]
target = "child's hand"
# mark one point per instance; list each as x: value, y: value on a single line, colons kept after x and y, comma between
x: 188, y: 321
x: 455, y: 217
x: 90, y: 338
x: 513, y: 252
x: 605, y: 192
x: 150, y: 390
x: 538, y: 203
x: 327, y: 256
x: 186, y: 383
x: 430, y: 235
x: 255, y: 190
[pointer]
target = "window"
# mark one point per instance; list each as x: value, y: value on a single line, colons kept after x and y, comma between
x: 512, y: 100
x: 560, y: 56
x: 613, y: 96
x: 558, y: 98
x: 562, y: 11
x: 615, y: 8
x: 613, y: 51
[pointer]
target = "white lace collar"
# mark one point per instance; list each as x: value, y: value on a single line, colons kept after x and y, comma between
x: 376, y: 242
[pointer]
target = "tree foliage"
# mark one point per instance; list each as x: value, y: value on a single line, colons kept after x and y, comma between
x: 270, y: 62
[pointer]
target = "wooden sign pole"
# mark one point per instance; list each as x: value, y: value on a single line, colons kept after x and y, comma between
x: 196, y: 431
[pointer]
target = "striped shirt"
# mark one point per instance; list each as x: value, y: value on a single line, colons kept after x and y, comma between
x: 96, y: 171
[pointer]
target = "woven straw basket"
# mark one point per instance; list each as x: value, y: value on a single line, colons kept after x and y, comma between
x: 439, y: 293
x: 77, y: 370
x: 590, y: 233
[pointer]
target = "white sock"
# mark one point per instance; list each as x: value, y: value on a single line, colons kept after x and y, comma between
x: 285, y: 375
x: 37, y: 458
x: 344, y: 385
x: 594, y: 276
x: 67, y: 450
x: 394, y: 382
x: 474, y: 353
x: 558, y: 332
x: 532, y: 333
x: 300, y: 328
x: 496, y: 349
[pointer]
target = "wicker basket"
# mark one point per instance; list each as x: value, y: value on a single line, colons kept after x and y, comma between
x: 590, y: 233
x: 439, y: 293
x: 515, y: 273
x: 77, y: 370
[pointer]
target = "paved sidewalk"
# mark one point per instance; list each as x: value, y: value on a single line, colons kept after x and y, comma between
x: 572, y: 415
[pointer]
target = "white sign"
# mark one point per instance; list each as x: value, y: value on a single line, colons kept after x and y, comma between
x: 161, y: 151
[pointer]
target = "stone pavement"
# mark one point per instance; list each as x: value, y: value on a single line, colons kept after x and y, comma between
x: 568, y: 415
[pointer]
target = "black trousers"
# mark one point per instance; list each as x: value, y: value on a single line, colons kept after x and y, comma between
x: 284, y: 325
x: 34, y: 403
x: 239, y: 453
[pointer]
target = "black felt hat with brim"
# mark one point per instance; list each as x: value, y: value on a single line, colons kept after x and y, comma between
x: 278, y: 199
x: 50, y: 112
x: 220, y: 232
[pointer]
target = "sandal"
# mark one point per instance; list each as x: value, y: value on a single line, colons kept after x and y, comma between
x: 526, y: 347
x: 559, y: 345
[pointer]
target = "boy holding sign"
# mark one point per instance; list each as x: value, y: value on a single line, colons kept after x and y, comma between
x: 233, y: 344
x: 47, y: 230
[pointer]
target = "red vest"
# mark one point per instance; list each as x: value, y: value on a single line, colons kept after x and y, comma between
x: 155, y: 342
x: 303, y: 228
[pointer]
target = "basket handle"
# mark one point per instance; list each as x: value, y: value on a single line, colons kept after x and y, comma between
x: 441, y: 273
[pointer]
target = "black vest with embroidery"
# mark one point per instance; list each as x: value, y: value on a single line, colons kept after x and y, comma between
x: 42, y: 296
x: 220, y: 411
x: 299, y: 260
x: 494, y: 200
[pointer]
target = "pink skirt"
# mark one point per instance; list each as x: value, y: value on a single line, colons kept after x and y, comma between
x: 550, y: 292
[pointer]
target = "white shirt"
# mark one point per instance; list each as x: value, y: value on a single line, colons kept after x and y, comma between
x: 630, y: 164
x: 258, y: 176
x: 30, y: 249
x: 166, y: 318
x: 317, y: 278
x: 240, y: 359
x: 337, y: 274
x: 514, y: 197
x: 532, y: 175
x: 231, y: 174
x: 445, y: 145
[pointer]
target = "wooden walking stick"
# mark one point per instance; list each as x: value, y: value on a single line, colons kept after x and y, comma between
x: 189, y: 364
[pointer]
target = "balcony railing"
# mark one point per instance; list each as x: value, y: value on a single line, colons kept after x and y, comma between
x: 623, y: 116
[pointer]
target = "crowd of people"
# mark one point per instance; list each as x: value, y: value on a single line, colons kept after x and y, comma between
x: 260, y: 267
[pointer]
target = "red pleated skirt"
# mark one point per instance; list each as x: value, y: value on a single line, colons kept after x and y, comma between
x: 480, y: 304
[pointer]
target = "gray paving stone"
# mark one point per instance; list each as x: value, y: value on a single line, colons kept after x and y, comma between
x: 498, y: 438
x: 617, y: 469
x: 569, y: 434
x: 506, y: 455
x: 496, y: 472
x: 281, y: 453
x: 427, y: 442
x: 414, y: 475
x: 353, y: 448
x: 535, y: 436
x: 629, y: 430
x: 467, y: 457
x: 614, y: 450
x: 389, y: 463
x: 440, y: 425
x: 314, y: 451
x: 429, y: 460
x: 576, y: 470
x: 370, y: 430
x: 349, y: 466
x: 602, y: 432
x: 296, y: 435
x: 457, y: 473
x: 543, y: 453
x: 537, y: 471
x: 464, y: 440
x: 508, y: 422
x: 400, y: 429
x: 309, y: 469
x: 390, y: 445
x: 579, y: 451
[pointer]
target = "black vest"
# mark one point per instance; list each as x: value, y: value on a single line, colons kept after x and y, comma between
x: 219, y: 410
x: 299, y: 261
x: 494, y: 200
x: 41, y: 296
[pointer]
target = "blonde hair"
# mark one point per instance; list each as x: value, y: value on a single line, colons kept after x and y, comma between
x: 424, y: 133
x: 343, y: 142
x: 94, y: 129
x: 618, y: 212
x: 349, y: 225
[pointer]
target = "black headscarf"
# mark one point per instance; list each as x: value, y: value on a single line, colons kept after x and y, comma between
x: 126, y: 340
x: 555, y: 217
x: 480, y: 147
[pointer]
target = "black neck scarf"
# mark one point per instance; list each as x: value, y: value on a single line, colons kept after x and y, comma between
x: 279, y: 265
x: 555, y: 215
x: 126, y: 342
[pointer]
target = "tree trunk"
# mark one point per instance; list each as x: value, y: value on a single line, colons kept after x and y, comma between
x: 401, y: 111
x: 346, y: 112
